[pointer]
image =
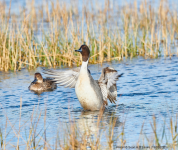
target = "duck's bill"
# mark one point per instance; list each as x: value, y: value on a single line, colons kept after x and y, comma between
x: 79, y: 50
x: 34, y: 81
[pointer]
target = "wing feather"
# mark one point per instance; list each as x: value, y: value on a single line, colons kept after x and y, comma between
x: 107, y: 83
x: 67, y: 78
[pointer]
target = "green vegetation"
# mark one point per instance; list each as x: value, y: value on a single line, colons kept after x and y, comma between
x: 39, y: 36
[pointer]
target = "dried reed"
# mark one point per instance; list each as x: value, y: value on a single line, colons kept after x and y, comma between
x: 79, y: 134
x: 47, y: 35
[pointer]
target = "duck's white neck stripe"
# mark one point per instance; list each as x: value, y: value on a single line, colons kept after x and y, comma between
x: 84, y: 64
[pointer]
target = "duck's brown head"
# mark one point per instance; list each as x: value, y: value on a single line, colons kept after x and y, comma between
x: 84, y: 50
x: 38, y: 78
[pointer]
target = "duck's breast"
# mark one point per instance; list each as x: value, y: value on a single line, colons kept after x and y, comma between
x: 88, y: 92
x: 35, y: 87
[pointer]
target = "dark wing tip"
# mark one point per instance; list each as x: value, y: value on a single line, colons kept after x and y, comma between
x: 120, y: 75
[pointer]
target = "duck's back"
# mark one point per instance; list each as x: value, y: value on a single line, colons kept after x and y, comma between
x: 48, y: 84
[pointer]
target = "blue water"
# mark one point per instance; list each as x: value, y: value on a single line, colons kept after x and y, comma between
x: 18, y: 5
x: 148, y: 88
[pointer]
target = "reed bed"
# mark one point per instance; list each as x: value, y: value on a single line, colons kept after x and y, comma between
x: 30, y: 135
x: 47, y: 34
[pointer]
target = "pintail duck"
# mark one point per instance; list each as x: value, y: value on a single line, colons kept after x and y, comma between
x: 40, y: 84
x: 92, y: 94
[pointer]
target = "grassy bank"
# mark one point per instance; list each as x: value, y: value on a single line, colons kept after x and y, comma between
x: 46, y: 35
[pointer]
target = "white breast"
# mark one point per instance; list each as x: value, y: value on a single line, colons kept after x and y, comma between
x: 87, y: 94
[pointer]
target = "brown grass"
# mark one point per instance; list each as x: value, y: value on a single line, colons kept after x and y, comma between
x: 40, y: 36
x: 79, y: 134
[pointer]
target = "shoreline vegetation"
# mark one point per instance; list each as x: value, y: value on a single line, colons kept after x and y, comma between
x: 82, y: 133
x: 47, y: 35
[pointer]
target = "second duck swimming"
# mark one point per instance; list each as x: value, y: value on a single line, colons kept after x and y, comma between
x: 39, y: 84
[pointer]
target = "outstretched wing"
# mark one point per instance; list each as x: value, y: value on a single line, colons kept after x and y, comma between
x: 67, y: 78
x: 112, y: 93
x: 107, y: 83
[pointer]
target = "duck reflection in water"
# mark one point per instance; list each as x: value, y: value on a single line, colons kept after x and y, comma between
x: 91, y: 126
x: 92, y: 122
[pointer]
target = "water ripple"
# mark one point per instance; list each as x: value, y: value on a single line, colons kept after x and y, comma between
x: 148, y: 88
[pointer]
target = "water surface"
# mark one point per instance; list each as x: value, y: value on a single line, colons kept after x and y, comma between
x: 148, y: 88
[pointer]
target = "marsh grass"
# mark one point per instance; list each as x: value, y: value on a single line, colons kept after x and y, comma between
x: 30, y: 134
x: 46, y: 35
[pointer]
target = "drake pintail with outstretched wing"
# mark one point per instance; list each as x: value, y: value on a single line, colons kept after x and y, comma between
x: 92, y: 94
